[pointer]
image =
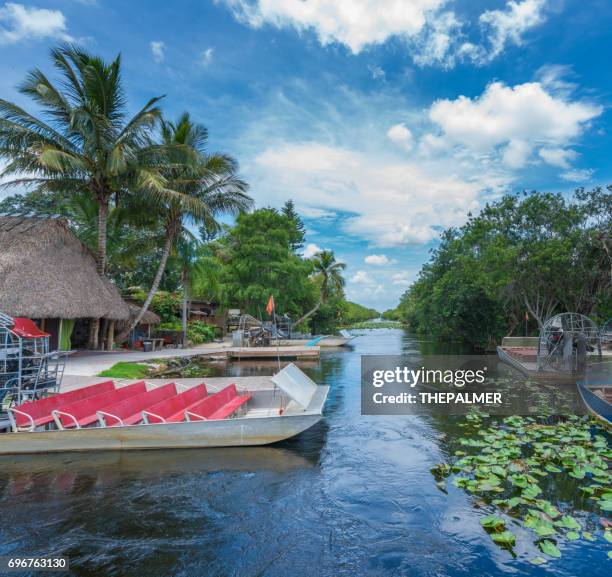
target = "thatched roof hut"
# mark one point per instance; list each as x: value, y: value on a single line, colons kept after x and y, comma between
x: 47, y: 272
x: 149, y: 318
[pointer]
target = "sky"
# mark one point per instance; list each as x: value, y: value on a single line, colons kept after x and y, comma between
x: 386, y: 121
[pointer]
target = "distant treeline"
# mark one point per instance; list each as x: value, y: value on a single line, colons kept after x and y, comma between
x: 523, y: 257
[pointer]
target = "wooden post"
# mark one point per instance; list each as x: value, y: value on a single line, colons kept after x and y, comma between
x: 94, y: 326
x: 110, y: 336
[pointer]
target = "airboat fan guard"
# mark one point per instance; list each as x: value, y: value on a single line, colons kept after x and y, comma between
x: 567, y: 342
x: 27, y: 367
x: 606, y: 333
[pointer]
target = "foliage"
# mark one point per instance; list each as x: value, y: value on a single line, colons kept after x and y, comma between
x: 356, y: 313
x: 297, y: 241
x: 538, y: 253
x: 125, y: 370
x: 167, y: 305
x: 199, y: 332
x: 259, y: 261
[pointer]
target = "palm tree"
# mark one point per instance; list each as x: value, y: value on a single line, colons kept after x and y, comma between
x: 200, y: 192
x: 328, y: 271
x: 82, y: 141
x: 199, y: 273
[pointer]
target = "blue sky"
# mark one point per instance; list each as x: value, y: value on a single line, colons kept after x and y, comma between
x: 386, y: 121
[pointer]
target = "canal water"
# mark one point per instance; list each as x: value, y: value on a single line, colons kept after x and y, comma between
x: 352, y: 496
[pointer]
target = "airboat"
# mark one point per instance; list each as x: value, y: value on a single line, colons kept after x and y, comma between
x: 106, y: 416
x: 596, y: 390
x: 568, y: 343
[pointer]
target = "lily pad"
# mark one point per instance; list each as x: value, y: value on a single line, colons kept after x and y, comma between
x: 492, y: 522
x: 549, y: 548
x: 538, y: 561
x: 572, y: 535
x: 504, y: 538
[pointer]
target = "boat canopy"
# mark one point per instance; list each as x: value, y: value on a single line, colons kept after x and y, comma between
x: 295, y: 384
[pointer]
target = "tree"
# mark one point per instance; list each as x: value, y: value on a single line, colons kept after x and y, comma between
x: 328, y: 272
x: 83, y: 141
x: 259, y: 262
x: 539, y: 253
x: 198, y: 193
x: 297, y: 242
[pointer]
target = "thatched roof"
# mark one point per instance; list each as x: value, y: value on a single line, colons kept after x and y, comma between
x: 149, y: 318
x: 47, y: 272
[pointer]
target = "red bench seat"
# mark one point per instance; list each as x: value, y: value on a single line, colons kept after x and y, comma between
x: 83, y: 413
x: 129, y: 411
x: 218, y: 406
x: 37, y: 413
x: 172, y: 410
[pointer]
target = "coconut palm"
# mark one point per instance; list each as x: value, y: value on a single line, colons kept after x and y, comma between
x: 328, y: 271
x: 199, y: 273
x: 82, y: 141
x: 202, y: 190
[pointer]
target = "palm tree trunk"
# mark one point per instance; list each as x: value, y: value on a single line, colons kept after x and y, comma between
x: 100, y: 262
x: 308, y: 314
x: 156, y: 281
x: 184, y: 311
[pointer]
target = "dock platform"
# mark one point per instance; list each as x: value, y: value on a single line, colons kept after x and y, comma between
x: 293, y: 352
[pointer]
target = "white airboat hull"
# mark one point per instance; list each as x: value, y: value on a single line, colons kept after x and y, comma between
x: 237, y: 432
x: 271, y: 415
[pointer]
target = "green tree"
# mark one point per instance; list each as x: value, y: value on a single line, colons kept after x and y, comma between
x: 83, y: 140
x: 259, y: 261
x: 297, y: 242
x: 327, y: 272
x: 197, y: 193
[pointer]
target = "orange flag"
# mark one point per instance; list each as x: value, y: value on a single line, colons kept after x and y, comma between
x: 270, y: 306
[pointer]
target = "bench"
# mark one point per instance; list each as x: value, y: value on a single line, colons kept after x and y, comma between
x: 218, y: 406
x: 83, y: 413
x: 172, y: 410
x: 129, y: 411
x: 32, y: 414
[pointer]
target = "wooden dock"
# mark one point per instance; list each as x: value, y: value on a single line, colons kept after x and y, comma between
x: 300, y: 352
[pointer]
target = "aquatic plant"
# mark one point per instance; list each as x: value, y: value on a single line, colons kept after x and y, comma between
x: 508, y: 465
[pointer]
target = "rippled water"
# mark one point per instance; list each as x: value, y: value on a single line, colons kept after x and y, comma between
x: 352, y: 496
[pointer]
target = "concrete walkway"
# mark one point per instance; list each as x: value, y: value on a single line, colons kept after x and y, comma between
x: 90, y: 363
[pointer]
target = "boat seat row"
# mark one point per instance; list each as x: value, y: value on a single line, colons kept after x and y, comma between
x: 172, y: 410
x: 218, y: 406
x: 34, y: 414
x: 127, y: 405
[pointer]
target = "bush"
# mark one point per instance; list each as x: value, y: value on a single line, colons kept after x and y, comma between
x: 199, y: 332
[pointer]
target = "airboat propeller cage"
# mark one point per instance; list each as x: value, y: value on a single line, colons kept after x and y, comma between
x: 563, y: 337
x: 295, y: 384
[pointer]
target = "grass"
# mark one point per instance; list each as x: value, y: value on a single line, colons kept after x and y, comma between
x: 125, y: 370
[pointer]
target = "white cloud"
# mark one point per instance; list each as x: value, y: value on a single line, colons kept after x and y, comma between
x: 402, y: 279
x: 578, y: 175
x: 354, y: 23
x: 362, y: 277
x: 311, y: 249
x: 207, y: 56
x: 434, y: 35
x: 158, y: 49
x: 400, y: 134
x: 508, y: 26
x: 378, y: 260
x: 560, y: 157
x: 19, y: 22
x: 394, y: 202
x: 517, y: 119
x: 315, y: 212
x: 377, y: 72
